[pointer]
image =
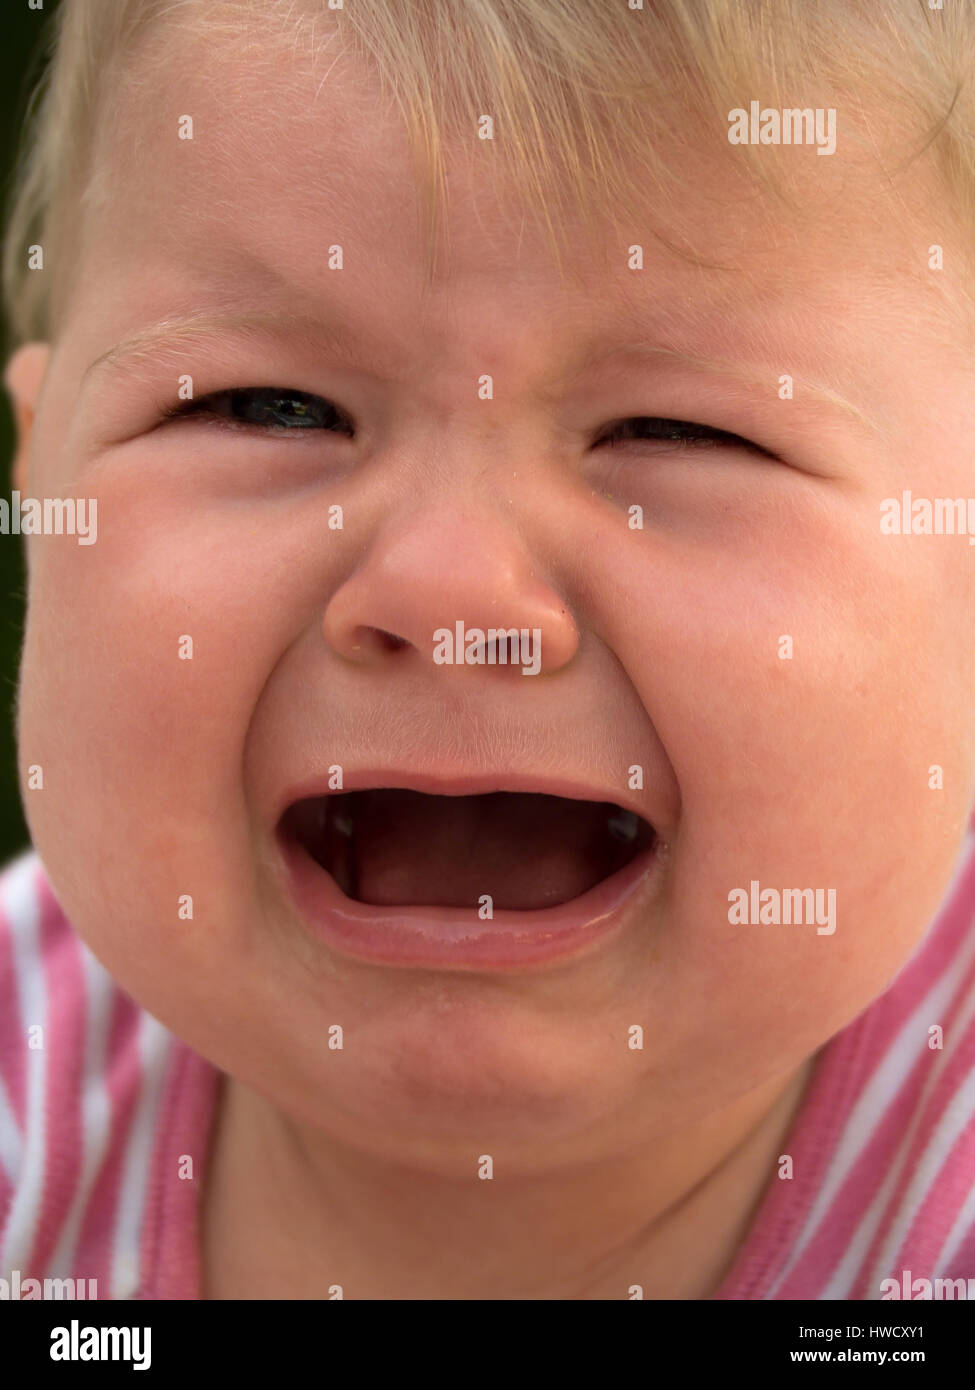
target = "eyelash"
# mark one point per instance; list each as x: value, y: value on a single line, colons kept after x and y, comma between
x: 266, y: 395
x: 682, y: 433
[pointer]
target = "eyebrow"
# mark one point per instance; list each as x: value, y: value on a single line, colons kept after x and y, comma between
x: 173, y: 336
x: 825, y: 395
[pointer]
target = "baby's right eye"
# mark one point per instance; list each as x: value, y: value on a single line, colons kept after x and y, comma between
x: 268, y: 409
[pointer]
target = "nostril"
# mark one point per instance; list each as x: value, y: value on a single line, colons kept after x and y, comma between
x: 374, y: 641
x: 390, y: 641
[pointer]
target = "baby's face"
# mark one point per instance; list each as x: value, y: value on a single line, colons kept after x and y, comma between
x: 783, y: 673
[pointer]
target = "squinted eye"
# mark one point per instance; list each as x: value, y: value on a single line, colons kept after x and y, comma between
x: 677, y: 433
x: 268, y: 408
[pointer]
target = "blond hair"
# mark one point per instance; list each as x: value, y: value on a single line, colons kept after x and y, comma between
x: 578, y: 91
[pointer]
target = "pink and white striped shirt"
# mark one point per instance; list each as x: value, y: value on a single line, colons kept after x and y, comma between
x: 100, y: 1109
x: 95, y: 1122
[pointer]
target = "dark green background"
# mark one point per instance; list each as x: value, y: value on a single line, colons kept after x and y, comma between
x: 22, y: 35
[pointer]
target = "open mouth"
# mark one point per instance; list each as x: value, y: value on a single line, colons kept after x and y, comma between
x: 394, y: 847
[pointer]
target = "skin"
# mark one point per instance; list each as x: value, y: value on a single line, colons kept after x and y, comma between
x: 660, y: 647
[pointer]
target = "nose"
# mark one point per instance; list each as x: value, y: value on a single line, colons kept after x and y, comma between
x: 448, y: 571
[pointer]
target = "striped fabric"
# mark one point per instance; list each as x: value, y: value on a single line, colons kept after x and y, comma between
x: 100, y: 1111
x: 883, y: 1148
x: 99, y: 1108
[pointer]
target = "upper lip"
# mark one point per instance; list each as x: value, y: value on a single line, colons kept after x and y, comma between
x: 471, y: 784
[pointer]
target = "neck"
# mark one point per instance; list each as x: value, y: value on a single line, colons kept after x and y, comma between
x: 290, y: 1212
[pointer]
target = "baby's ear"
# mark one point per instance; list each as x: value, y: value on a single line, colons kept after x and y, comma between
x: 23, y: 376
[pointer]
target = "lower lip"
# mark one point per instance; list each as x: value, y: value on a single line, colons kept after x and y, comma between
x: 451, y: 938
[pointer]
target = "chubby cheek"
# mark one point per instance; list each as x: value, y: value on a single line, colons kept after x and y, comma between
x: 144, y: 656
x: 809, y: 771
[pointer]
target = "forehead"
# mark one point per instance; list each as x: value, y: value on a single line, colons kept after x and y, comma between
x: 296, y: 150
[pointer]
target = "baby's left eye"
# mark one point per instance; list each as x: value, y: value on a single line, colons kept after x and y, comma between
x: 682, y: 433
x: 269, y: 407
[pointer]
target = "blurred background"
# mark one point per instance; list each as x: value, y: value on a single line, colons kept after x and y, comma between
x: 21, y: 57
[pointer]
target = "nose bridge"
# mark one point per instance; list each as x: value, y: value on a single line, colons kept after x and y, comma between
x: 480, y: 471
x: 482, y: 368
x: 490, y: 463
x: 449, y: 550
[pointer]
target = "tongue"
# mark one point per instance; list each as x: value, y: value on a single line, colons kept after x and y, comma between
x: 525, y: 850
